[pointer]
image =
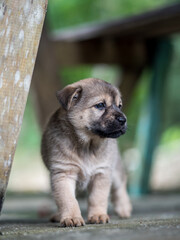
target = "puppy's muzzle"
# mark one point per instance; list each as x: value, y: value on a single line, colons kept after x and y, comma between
x: 121, y: 124
x: 121, y: 119
x: 111, y: 129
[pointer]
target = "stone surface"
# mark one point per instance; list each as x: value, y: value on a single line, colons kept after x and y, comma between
x: 154, y: 217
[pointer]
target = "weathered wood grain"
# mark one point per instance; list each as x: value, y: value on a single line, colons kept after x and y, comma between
x: 20, y: 30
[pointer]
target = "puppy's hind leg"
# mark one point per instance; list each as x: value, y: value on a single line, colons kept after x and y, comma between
x: 120, y: 197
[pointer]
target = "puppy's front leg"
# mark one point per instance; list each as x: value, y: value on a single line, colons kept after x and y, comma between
x: 64, y: 194
x: 99, y: 189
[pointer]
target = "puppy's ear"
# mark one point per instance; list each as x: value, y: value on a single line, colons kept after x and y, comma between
x: 69, y: 96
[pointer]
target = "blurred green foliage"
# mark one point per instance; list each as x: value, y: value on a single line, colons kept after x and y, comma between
x: 70, y: 13
x: 171, y: 134
x: 108, y: 73
x: 30, y: 134
x: 172, y: 96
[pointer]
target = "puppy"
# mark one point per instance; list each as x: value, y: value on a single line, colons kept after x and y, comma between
x: 79, y: 148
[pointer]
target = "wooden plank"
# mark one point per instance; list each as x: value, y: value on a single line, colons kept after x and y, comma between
x: 155, y: 23
x: 20, y: 30
x: 129, y: 52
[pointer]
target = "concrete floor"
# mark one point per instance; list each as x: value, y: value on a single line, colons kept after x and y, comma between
x: 155, y: 217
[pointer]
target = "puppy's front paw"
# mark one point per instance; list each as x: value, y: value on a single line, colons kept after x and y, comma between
x: 72, y: 222
x: 124, y: 209
x: 98, y: 219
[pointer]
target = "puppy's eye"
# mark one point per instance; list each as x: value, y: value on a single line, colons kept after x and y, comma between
x: 100, y: 106
x: 75, y: 97
x: 120, y: 106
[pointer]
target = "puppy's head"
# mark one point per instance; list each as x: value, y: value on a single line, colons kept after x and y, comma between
x: 93, y: 106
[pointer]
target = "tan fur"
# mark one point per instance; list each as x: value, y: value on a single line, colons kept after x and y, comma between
x: 77, y: 155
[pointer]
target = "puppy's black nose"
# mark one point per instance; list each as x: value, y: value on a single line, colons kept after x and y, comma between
x: 121, y: 119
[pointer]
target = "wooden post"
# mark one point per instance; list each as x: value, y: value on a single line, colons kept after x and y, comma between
x: 149, y: 127
x: 20, y: 30
x: 45, y: 81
